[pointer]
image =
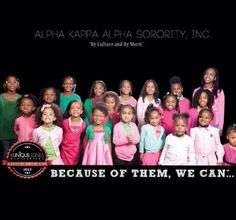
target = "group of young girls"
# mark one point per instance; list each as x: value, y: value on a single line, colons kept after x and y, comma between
x: 119, y: 130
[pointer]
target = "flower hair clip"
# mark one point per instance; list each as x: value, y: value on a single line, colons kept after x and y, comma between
x: 45, y: 106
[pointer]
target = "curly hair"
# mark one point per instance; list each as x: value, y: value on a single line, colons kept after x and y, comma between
x: 197, y: 95
x: 33, y: 98
x: 56, y: 110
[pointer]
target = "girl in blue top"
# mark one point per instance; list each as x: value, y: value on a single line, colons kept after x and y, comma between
x: 152, y: 137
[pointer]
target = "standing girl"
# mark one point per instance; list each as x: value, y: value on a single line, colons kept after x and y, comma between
x: 152, y: 137
x: 25, y: 124
x: 125, y: 136
x: 49, y: 134
x: 73, y: 126
x: 207, y: 145
x: 176, y: 88
x: 178, y: 149
x: 230, y: 148
x: 97, y: 90
x: 98, y: 148
x: 170, y: 108
x: 149, y: 95
x: 203, y: 99
x: 8, y: 113
x: 111, y: 100
x: 126, y: 97
x: 210, y: 81
x: 69, y: 86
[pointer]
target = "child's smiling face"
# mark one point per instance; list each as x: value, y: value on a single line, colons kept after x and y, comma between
x: 48, y: 116
x: 27, y: 106
x: 49, y: 96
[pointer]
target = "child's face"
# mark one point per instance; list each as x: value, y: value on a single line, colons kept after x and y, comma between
x: 127, y: 115
x: 176, y: 89
x: 126, y: 88
x: 76, y: 109
x: 27, y: 106
x: 68, y: 85
x: 98, y: 89
x: 232, y: 138
x: 48, y: 116
x: 12, y: 84
x: 180, y: 126
x: 209, y: 76
x: 171, y: 103
x: 98, y: 117
x: 110, y: 103
x: 203, y: 100
x: 154, y: 118
x: 150, y: 88
x: 49, y: 96
x: 205, y: 119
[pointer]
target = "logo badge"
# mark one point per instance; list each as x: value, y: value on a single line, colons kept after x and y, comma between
x: 26, y: 160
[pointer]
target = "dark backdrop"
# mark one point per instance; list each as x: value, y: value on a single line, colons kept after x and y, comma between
x: 44, y: 62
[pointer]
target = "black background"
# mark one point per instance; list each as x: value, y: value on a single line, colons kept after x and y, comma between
x: 44, y: 62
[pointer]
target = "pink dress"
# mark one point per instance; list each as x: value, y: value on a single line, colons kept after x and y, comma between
x: 24, y: 127
x: 70, y: 147
x: 97, y: 152
x: 207, y: 145
x: 230, y: 154
x: 167, y: 121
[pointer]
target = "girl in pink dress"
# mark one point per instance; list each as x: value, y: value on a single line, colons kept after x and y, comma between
x: 152, y: 137
x: 203, y: 99
x: 230, y: 148
x: 126, y: 97
x: 210, y: 81
x: 206, y: 138
x: 149, y: 95
x: 125, y: 136
x: 98, y: 88
x: 25, y: 124
x: 73, y: 126
x: 170, y: 108
x: 176, y: 88
x: 111, y: 100
x: 49, y: 134
x: 98, y: 148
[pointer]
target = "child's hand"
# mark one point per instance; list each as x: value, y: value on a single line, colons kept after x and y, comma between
x: 130, y: 139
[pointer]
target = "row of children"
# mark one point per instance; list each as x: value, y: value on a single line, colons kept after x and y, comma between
x: 173, y: 103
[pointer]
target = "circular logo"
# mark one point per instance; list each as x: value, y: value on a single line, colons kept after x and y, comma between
x: 26, y: 159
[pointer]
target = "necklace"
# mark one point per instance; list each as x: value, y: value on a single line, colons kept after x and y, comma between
x: 74, y: 128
